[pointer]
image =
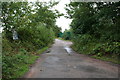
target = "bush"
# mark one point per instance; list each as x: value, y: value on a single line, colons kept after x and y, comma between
x: 38, y: 36
x: 17, y: 63
x: 108, y: 49
x: 87, y: 44
x: 19, y: 54
x: 67, y: 35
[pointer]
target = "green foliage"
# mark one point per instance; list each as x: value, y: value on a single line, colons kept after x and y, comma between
x: 36, y: 30
x: 20, y: 14
x: 95, y: 27
x: 42, y: 50
x: 113, y: 59
x: 67, y: 35
x: 16, y: 64
x: 100, y: 21
x: 36, y: 37
x: 88, y: 45
x: 83, y: 43
x: 57, y: 31
x: 107, y: 49
x: 60, y: 34
x: 18, y: 55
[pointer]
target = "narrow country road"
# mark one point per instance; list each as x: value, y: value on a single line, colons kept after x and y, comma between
x: 62, y: 62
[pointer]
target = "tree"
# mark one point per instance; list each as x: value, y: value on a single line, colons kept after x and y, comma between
x: 97, y: 19
x: 95, y: 26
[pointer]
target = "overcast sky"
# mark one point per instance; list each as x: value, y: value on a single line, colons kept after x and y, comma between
x: 62, y: 21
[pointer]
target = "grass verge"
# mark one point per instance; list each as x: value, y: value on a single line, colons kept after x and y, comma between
x: 31, y: 60
x: 20, y: 63
x: 110, y: 59
x: 113, y: 59
x: 23, y: 67
x: 42, y: 50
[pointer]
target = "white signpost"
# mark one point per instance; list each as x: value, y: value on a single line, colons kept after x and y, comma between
x: 15, y: 35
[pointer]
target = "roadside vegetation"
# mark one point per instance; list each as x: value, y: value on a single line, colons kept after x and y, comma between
x: 95, y: 28
x: 67, y: 35
x: 36, y: 31
x: 94, y: 31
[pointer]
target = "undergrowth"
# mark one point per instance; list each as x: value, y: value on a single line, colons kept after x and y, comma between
x: 108, y: 51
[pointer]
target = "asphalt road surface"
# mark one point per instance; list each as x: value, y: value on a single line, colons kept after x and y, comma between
x: 60, y: 61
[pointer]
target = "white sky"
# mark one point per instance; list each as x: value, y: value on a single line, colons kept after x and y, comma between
x: 62, y: 21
